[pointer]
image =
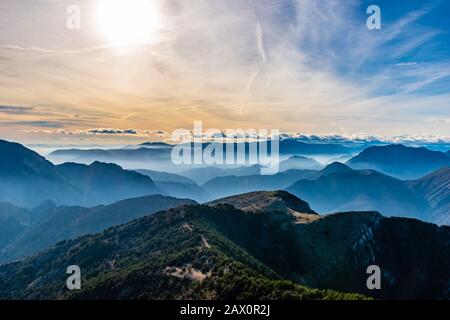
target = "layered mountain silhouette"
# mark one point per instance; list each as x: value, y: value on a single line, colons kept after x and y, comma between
x: 106, y: 183
x: 340, y: 188
x: 299, y: 162
x: 296, y: 147
x: 30, y: 231
x: 436, y: 190
x: 13, y: 221
x: 177, y: 186
x: 400, y: 161
x: 233, y: 185
x: 157, y: 156
x: 159, y: 176
x: 204, y: 174
x: 267, y: 251
x: 27, y: 179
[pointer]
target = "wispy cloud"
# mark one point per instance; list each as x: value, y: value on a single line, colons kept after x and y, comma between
x: 290, y: 64
x: 16, y: 110
x: 112, y: 131
x: 36, y: 123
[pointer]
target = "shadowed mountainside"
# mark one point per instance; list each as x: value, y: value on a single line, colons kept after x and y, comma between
x: 436, y: 189
x: 343, y: 189
x: 220, y: 252
x: 27, y: 179
x: 400, y: 161
x: 55, y: 224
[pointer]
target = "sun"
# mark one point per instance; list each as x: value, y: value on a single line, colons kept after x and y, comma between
x: 128, y: 22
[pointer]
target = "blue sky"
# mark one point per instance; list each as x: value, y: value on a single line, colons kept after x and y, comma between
x: 302, y: 66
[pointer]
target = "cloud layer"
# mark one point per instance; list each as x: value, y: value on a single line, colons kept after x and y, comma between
x: 296, y: 65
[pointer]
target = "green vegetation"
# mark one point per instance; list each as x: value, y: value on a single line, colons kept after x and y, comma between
x: 220, y: 252
x: 173, y: 255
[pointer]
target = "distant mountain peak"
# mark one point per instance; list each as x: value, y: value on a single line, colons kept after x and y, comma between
x: 395, y: 148
x: 267, y: 201
x: 400, y: 161
x: 99, y: 164
x: 27, y: 179
x: 335, y: 167
x: 297, y: 157
x: 440, y: 172
x: 155, y: 144
x: 15, y: 158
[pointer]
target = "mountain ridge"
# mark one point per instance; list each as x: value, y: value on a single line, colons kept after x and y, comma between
x: 27, y: 179
x: 221, y: 252
x: 400, y: 161
x: 60, y: 223
x: 341, y: 188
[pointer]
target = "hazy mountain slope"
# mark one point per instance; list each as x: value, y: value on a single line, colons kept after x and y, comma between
x: 232, y: 185
x: 171, y: 255
x: 364, y: 190
x: 13, y: 221
x: 221, y: 252
x: 159, y: 176
x: 156, y: 145
x: 27, y: 179
x: 62, y: 223
x: 202, y: 175
x: 107, y: 183
x: 141, y: 157
x: 435, y: 187
x: 132, y: 156
x: 295, y: 147
x: 177, y: 186
x: 158, y: 156
x: 184, y: 190
x: 299, y: 162
x: 335, y: 167
x: 400, y: 161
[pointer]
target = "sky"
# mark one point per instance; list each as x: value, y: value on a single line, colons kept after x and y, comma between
x: 300, y: 66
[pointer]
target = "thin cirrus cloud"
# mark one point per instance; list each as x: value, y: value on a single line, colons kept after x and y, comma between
x: 36, y: 123
x: 297, y: 65
x: 16, y: 110
x: 113, y: 131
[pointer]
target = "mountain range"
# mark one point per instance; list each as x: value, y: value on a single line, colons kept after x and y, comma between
x: 27, y: 179
x: 136, y: 234
x: 157, y: 156
x: 299, y: 162
x: 30, y: 231
x: 276, y: 249
x: 233, y: 185
x: 435, y: 188
x: 339, y: 188
x: 400, y: 161
x: 177, y: 186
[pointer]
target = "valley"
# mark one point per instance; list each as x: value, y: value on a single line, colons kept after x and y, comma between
x: 137, y: 234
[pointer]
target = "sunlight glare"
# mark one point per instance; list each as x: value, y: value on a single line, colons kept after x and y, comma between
x: 128, y: 22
